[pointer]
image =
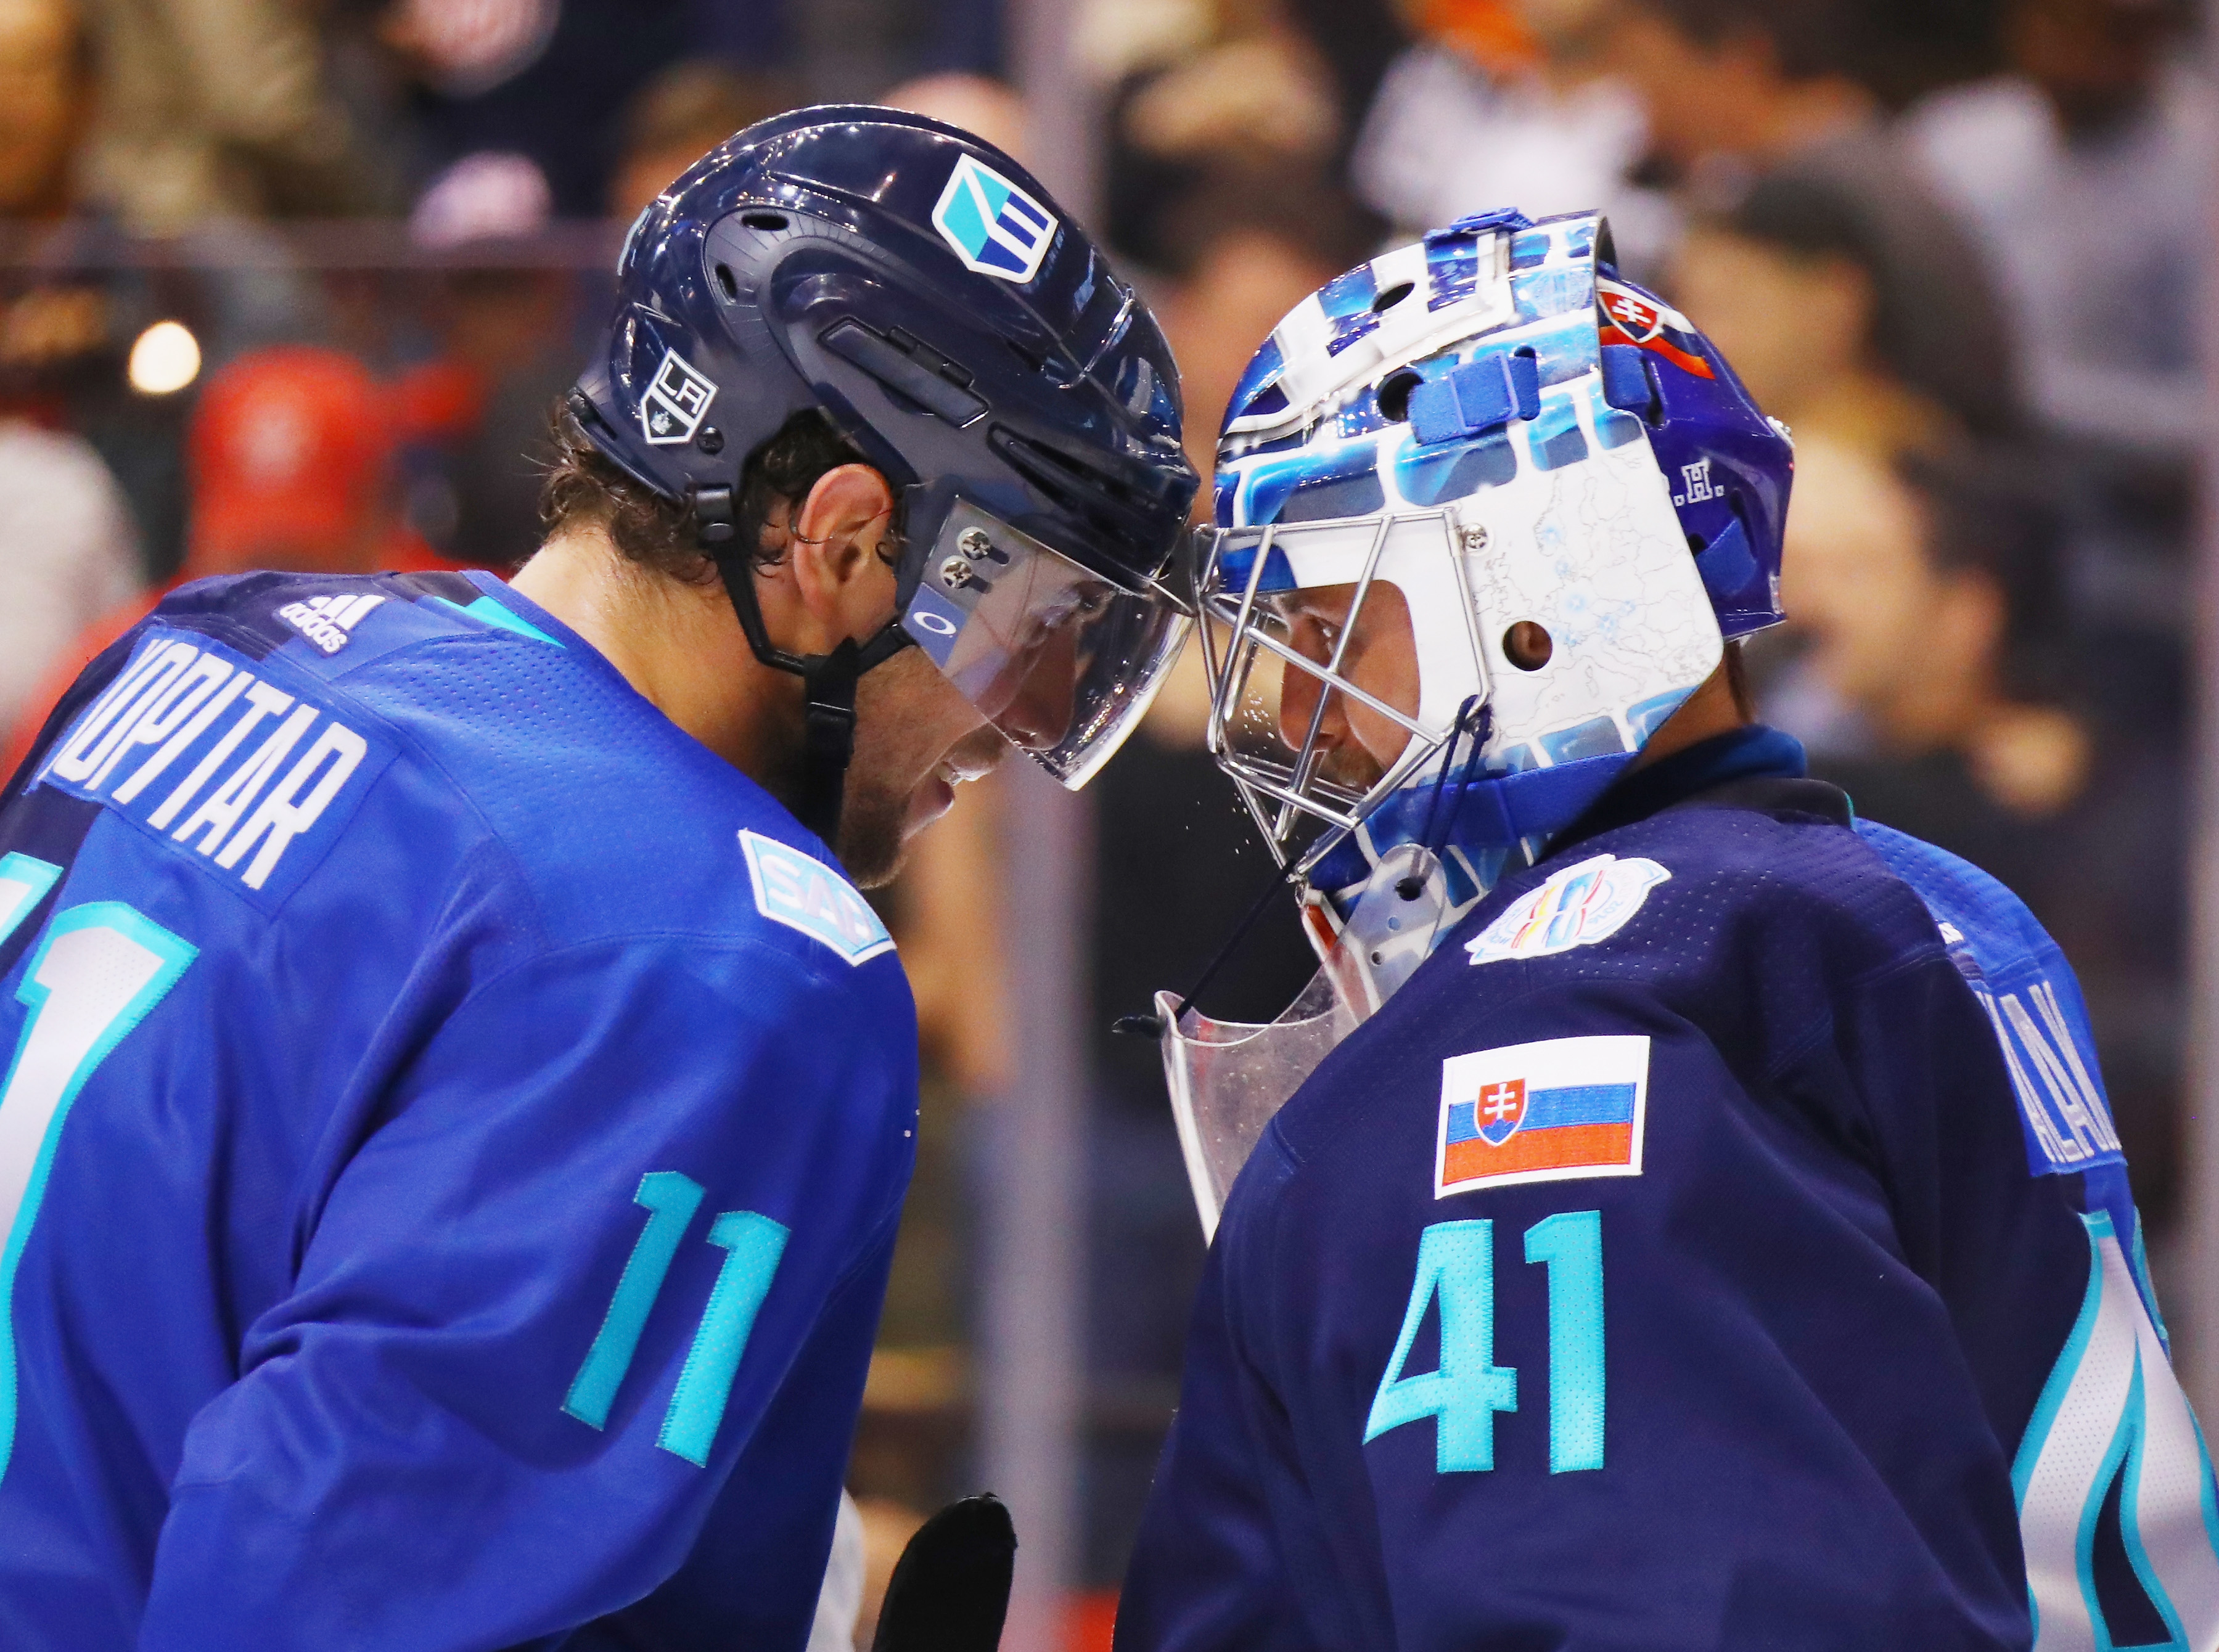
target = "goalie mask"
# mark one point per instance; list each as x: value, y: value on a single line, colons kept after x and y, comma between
x: 1563, y: 492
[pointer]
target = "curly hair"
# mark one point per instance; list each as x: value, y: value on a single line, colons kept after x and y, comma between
x: 585, y: 488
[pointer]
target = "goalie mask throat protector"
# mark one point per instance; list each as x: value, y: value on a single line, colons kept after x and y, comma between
x: 929, y: 299
x: 1577, y: 504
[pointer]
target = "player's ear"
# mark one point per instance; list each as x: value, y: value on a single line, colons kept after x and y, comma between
x: 837, y: 533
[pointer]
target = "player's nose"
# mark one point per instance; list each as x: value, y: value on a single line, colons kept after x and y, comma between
x: 1038, y: 715
x: 1300, y: 704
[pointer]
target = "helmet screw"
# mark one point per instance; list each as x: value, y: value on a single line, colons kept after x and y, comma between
x: 711, y: 440
x: 956, y: 574
x: 1473, y: 536
x: 974, y: 543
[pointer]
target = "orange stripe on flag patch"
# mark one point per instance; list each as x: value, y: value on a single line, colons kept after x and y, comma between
x: 1572, y: 1146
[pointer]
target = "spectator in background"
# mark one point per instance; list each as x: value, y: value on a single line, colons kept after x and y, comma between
x: 1916, y: 559
x: 1983, y: 750
x: 66, y: 330
x: 1737, y: 90
x: 991, y: 108
x: 68, y: 555
x: 72, y: 308
x: 1254, y: 95
x: 216, y: 108
x: 546, y: 83
x: 1512, y: 102
x: 290, y: 454
x: 680, y: 115
x: 503, y: 315
x: 68, y: 549
x: 2084, y: 171
x: 1830, y: 329
x: 1247, y: 244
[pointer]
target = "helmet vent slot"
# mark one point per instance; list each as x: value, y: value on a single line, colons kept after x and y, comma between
x: 1395, y: 394
x: 1394, y: 296
x: 771, y: 221
x: 725, y: 280
x: 910, y: 368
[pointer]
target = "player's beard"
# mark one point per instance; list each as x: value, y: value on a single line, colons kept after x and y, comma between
x: 916, y: 739
x: 873, y: 831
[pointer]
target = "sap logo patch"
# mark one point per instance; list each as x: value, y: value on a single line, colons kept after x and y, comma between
x: 803, y: 893
x: 328, y: 621
x: 190, y: 745
x: 676, y: 401
x: 995, y: 227
x: 1558, y: 1111
x: 1577, y: 906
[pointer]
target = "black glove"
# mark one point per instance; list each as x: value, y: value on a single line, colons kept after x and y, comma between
x: 950, y: 1589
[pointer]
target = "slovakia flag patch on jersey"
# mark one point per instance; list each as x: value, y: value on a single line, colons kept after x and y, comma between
x: 1557, y: 1110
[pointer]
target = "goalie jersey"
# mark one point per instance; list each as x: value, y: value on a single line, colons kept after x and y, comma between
x: 1721, y: 1242
x: 451, y: 1150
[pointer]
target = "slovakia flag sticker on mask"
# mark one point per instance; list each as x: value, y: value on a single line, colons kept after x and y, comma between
x: 1557, y: 1110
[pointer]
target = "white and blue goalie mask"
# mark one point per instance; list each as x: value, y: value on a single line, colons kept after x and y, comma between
x: 1573, y: 497
x: 1576, y: 504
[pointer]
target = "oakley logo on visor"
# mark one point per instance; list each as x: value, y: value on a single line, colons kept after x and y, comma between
x: 677, y: 402
x: 995, y: 227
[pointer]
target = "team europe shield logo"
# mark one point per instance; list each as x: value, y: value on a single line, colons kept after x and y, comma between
x: 995, y: 227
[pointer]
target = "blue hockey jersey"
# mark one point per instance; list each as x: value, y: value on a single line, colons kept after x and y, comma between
x: 451, y: 1151
x: 1721, y: 1242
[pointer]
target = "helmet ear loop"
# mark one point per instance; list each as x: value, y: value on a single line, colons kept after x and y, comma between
x: 828, y: 680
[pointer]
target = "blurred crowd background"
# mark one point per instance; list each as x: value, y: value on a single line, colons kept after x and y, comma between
x: 290, y: 283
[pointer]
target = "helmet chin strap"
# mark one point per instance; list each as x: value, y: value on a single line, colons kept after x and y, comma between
x: 828, y: 680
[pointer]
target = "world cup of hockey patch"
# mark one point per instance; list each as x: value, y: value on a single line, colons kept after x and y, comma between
x: 1577, y: 906
x: 676, y: 401
x: 995, y: 227
x: 1557, y: 1110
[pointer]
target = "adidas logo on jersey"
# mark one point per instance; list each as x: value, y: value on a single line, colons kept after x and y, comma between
x: 193, y: 746
x: 326, y: 621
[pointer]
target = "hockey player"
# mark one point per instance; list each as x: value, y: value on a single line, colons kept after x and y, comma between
x: 1720, y: 1240
x: 459, y: 1109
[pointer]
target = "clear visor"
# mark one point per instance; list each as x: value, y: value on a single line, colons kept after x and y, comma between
x: 1060, y: 659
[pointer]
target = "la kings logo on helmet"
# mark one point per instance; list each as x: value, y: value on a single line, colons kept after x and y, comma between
x: 676, y: 401
x: 995, y: 227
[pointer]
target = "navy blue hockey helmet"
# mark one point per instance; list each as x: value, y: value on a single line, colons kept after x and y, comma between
x: 926, y: 293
